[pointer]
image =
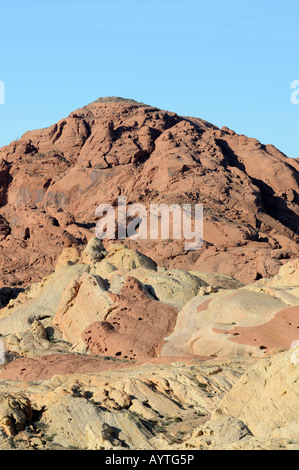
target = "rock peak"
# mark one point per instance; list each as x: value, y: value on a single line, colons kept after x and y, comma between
x: 117, y: 99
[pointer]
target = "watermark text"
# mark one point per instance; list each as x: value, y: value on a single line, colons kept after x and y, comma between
x: 156, y: 222
x: 295, y: 94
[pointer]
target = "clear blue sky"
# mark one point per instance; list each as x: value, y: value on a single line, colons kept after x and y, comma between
x: 230, y: 62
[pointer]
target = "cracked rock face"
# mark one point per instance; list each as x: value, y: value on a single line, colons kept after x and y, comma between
x: 15, y: 413
x: 216, y: 404
x: 52, y: 180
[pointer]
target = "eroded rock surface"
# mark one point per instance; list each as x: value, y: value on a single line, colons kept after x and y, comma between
x: 51, y: 181
x: 250, y: 320
x: 187, y: 405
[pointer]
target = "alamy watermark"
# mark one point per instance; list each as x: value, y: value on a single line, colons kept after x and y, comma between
x: 295, y: 94
x: 2, y: 92
x: 156, y: 222
x: 2, y: 353
x: 295, y: 353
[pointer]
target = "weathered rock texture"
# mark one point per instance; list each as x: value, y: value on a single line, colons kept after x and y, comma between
x: 142, y: 312
x: 218, y: 404
x: 111, y: 362
x: 51, y: 181
x: 143, y: 344
x: 251, y: 320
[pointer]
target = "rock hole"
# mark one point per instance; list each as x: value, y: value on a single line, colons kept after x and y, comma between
x: 27, y: 234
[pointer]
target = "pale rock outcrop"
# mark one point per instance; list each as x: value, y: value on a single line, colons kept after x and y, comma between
x: 30, y: 341
x: 87, y: 294
x: 266, y: 398
x: 174, y: 287
x: 249, y: 320
x: 44, y: 302
x: 15, y: 413
x: 288, y: 275
x: 103, y: 269
x: 93, y: 252
x: 221, y: 431
x: 216, y: 404
x: 204, y: 323
x: 107, y: 409
x: 124, y: 258
x: 220, y: 281
x: 75, y: 422
x: 68, y: 256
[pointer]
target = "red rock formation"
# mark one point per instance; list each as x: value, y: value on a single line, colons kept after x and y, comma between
x: 278, y: 332
x: 51, y: 181
x: 138, y: 328
x: 45, y: 366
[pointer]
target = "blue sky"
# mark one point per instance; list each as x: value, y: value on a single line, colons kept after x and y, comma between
x: 228, y: 62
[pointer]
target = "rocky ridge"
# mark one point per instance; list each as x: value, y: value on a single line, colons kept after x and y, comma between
x: 53, y: 179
